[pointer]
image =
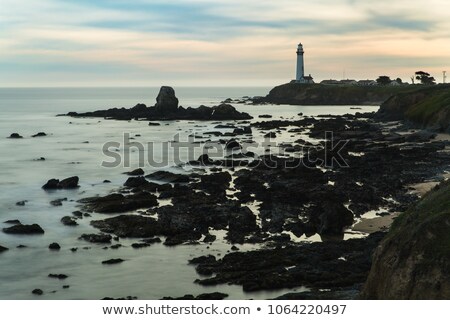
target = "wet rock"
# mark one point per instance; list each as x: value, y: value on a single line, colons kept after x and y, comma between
x: 68, y: 183
x: 38, y: 292
x: 136, y: 182
x: 265, y: 116
x: 117, y: 203
x: 270, y: 135
x: 169, y: 177
x: 69, y: 221
x: 15, y: 136
x: 97, y: 238
x: 139, y: 245
x: 54, y: 246
x: 106, y: 181
x: 66, y: 287
x: 24, y: 229
x: 129, y: 226
x: 233, y: 144
x: 3, y: 249
x: 316, y: 265
x: 39, y: 134
x: 205, y: 160
x: 209, y: 238
x: 203, y: 296
x: 58, y: 276
x: 58, y: 202
x: 78, y: 214
x: 152, y: 240
x: 153, y: 124
x: 136, y: 172
x: 21, y: 203
x: 113, y: 261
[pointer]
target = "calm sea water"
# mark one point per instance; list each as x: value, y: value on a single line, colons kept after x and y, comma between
x: 73, y: 147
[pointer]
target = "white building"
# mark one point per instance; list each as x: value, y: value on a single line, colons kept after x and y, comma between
x: 300, y: 75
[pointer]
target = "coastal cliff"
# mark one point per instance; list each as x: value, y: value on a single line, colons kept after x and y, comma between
x: 317, y: 94
x: 413, y: 260
x: 428, y: 107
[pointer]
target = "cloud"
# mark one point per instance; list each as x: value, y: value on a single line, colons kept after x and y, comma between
x: 217, y: 42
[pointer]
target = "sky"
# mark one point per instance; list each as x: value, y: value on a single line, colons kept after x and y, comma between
x: 218, y: 43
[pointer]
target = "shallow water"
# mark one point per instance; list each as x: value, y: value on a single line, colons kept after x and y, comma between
x: 148, y: 273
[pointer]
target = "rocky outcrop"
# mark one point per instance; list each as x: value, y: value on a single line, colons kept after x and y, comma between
x: 412, y: 262
x: 117, y: 202
x: 427, y: 107
x: 167, y: 108
x: 68, y: 183
x: 24, y: 229
x: 166, y: 101
x: 317, y: 94
x: 3, y: 249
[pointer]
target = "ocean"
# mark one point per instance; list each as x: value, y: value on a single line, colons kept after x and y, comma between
x: 74, y: 147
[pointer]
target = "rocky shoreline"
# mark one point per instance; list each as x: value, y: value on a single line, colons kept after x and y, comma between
x: 166, y: 108
x: 309, y: 186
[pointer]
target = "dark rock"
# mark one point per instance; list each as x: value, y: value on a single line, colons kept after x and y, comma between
x: 24, y: 229
x: 204, y: 296
x: 116, y: 202
x: 51, y: 184
x: 152, y: 240
x: 270, y: 135
x: 15, y: 136
x: 21, y: 246
x: 129, y: 226
x: 15, y: 221
x: 68, y: 221
x: 233, y: 144
x: 78, y: 214
x: 316, y: 265
x: 113, y: 261
x: 54, y: 246
x: 39, y: 134
x: 97, y: 238
x: 57, y: 202
x: 154, y: 124
x: 21, y: 203
x: 38, y: 292
x: 169, y: 177
x: 205, y: 160
x: 264, y: 116
x: 166, y: 101
x: 3, y: 249
x: 58, y: 276
x: 136, y: 172
x: 68, y: 183
x: 135, y: 182
x: 106, y: 181
x: 139, y: 245
x: 66, y: 287
x: 209, y: 238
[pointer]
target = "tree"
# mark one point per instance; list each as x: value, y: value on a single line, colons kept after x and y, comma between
x: 398, y: 80
x: 425, y: 77
x: 383, y: 80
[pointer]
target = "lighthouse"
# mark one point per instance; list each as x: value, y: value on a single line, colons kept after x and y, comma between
x: 300, y: 76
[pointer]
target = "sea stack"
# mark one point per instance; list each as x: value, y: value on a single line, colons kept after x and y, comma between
x: 166, y: 101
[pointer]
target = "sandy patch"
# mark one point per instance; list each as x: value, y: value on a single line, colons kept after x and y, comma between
x: 375, y: 224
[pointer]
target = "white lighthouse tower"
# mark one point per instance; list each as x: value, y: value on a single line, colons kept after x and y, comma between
x: 300, y: 76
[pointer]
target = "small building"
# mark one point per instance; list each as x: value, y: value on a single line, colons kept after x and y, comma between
x: 348, y: 82
x: 367, y: 83
x: 329, y: 82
